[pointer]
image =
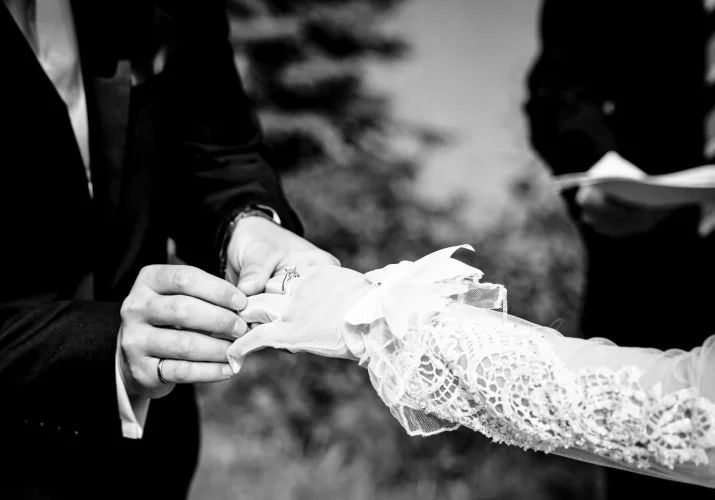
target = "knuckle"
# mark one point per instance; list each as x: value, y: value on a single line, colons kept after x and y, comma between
x: 182, y: 277
x: 139, y: 375
x: 147, y: 271
x: 178, y: 308
x: 131, y: 306
x: 126, y: 309
x: 135, y: 341
x: 185, y: 343
x: 182, y: 371
x: 153, y: 304
x: 130, y: 341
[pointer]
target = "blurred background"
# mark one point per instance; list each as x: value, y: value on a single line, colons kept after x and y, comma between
x: 397, y: 125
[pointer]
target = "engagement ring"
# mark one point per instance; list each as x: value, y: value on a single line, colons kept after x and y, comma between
x: 290, y: 274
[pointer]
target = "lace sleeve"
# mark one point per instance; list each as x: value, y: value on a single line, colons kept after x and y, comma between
x: 442, y: 352
x: 471, y: 364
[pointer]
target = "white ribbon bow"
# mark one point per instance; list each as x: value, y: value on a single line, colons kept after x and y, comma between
x: 408, y: 286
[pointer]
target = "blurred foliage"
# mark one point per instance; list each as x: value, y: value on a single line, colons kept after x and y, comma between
x: 305, y: 427
x: 535, y: 251
x: 303, y: 64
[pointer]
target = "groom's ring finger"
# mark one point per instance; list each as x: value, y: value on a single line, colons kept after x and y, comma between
x: 177, y: 371
x: 185, y: 345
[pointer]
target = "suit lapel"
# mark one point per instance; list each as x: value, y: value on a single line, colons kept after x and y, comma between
x: 27, y: 80
x: 108, y: 88
x: 22, y: 59
x: 108, y: 110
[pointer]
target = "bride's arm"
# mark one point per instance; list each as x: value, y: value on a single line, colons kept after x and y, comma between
x: 637, y: 409
x: 442, y: 353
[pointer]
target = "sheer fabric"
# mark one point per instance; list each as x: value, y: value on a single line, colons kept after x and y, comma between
x: 442, y: 352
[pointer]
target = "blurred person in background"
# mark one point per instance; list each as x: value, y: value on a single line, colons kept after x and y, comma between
x: 125, y: 124
x: 632, y: 78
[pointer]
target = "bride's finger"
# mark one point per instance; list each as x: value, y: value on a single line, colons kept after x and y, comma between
x: 264, y: 308
x: 275, y: 284
x: 260, y: 337
x: 279, y: 284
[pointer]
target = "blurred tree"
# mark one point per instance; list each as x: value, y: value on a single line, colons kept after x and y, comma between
x: 540, y: 254
x: 307, y: 427
x: 303, y: 62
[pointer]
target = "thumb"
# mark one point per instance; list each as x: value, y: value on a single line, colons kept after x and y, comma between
x: 260, y: 337
x: 255, y: 273
x: 589, y: 195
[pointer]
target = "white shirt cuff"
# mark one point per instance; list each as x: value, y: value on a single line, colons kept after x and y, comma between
x: 132, y: 411
x: 276, y: 217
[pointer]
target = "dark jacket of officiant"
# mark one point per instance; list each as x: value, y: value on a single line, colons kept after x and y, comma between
x: 629, y: 77
x: 173, y: 154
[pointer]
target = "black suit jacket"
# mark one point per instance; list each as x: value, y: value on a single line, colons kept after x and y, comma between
x: 175, y: 154
x: 629, y: 77
x: 623, y: 76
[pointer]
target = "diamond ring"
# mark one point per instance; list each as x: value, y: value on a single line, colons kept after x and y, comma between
x: 290, y: 274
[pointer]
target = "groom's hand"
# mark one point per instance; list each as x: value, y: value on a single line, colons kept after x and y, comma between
x: 183, y: 315
x: 260, y: 249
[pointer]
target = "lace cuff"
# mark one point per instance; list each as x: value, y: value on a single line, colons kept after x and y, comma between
x: 460, y: 360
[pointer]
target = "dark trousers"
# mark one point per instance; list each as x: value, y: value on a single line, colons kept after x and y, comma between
x: 159, y: 466
x: 621, y: 485
x: 656, y: 290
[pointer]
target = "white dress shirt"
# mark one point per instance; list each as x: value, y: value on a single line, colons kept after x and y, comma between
x: 49, y: 28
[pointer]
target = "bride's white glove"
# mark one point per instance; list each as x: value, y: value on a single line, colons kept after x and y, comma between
x: 307, y: 318
x: 330, y: 310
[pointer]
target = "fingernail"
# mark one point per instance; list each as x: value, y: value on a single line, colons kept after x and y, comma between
x: 238, y: 301
x: 227, y: 371
x: 239, y: 328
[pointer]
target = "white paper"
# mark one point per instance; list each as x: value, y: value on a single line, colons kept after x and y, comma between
x: 619, y: 178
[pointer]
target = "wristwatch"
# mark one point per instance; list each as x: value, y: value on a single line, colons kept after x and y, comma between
x: 250, y: 211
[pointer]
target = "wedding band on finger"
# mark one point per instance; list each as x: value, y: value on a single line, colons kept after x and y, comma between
x: 290, y: 274
x: 160, y: 371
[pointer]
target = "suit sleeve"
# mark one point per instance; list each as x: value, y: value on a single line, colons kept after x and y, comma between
x: 57, y: 372
x: 227, y: 165
x: 567, y: 124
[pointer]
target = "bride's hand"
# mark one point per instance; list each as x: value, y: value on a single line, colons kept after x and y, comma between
x: 307, y: 318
